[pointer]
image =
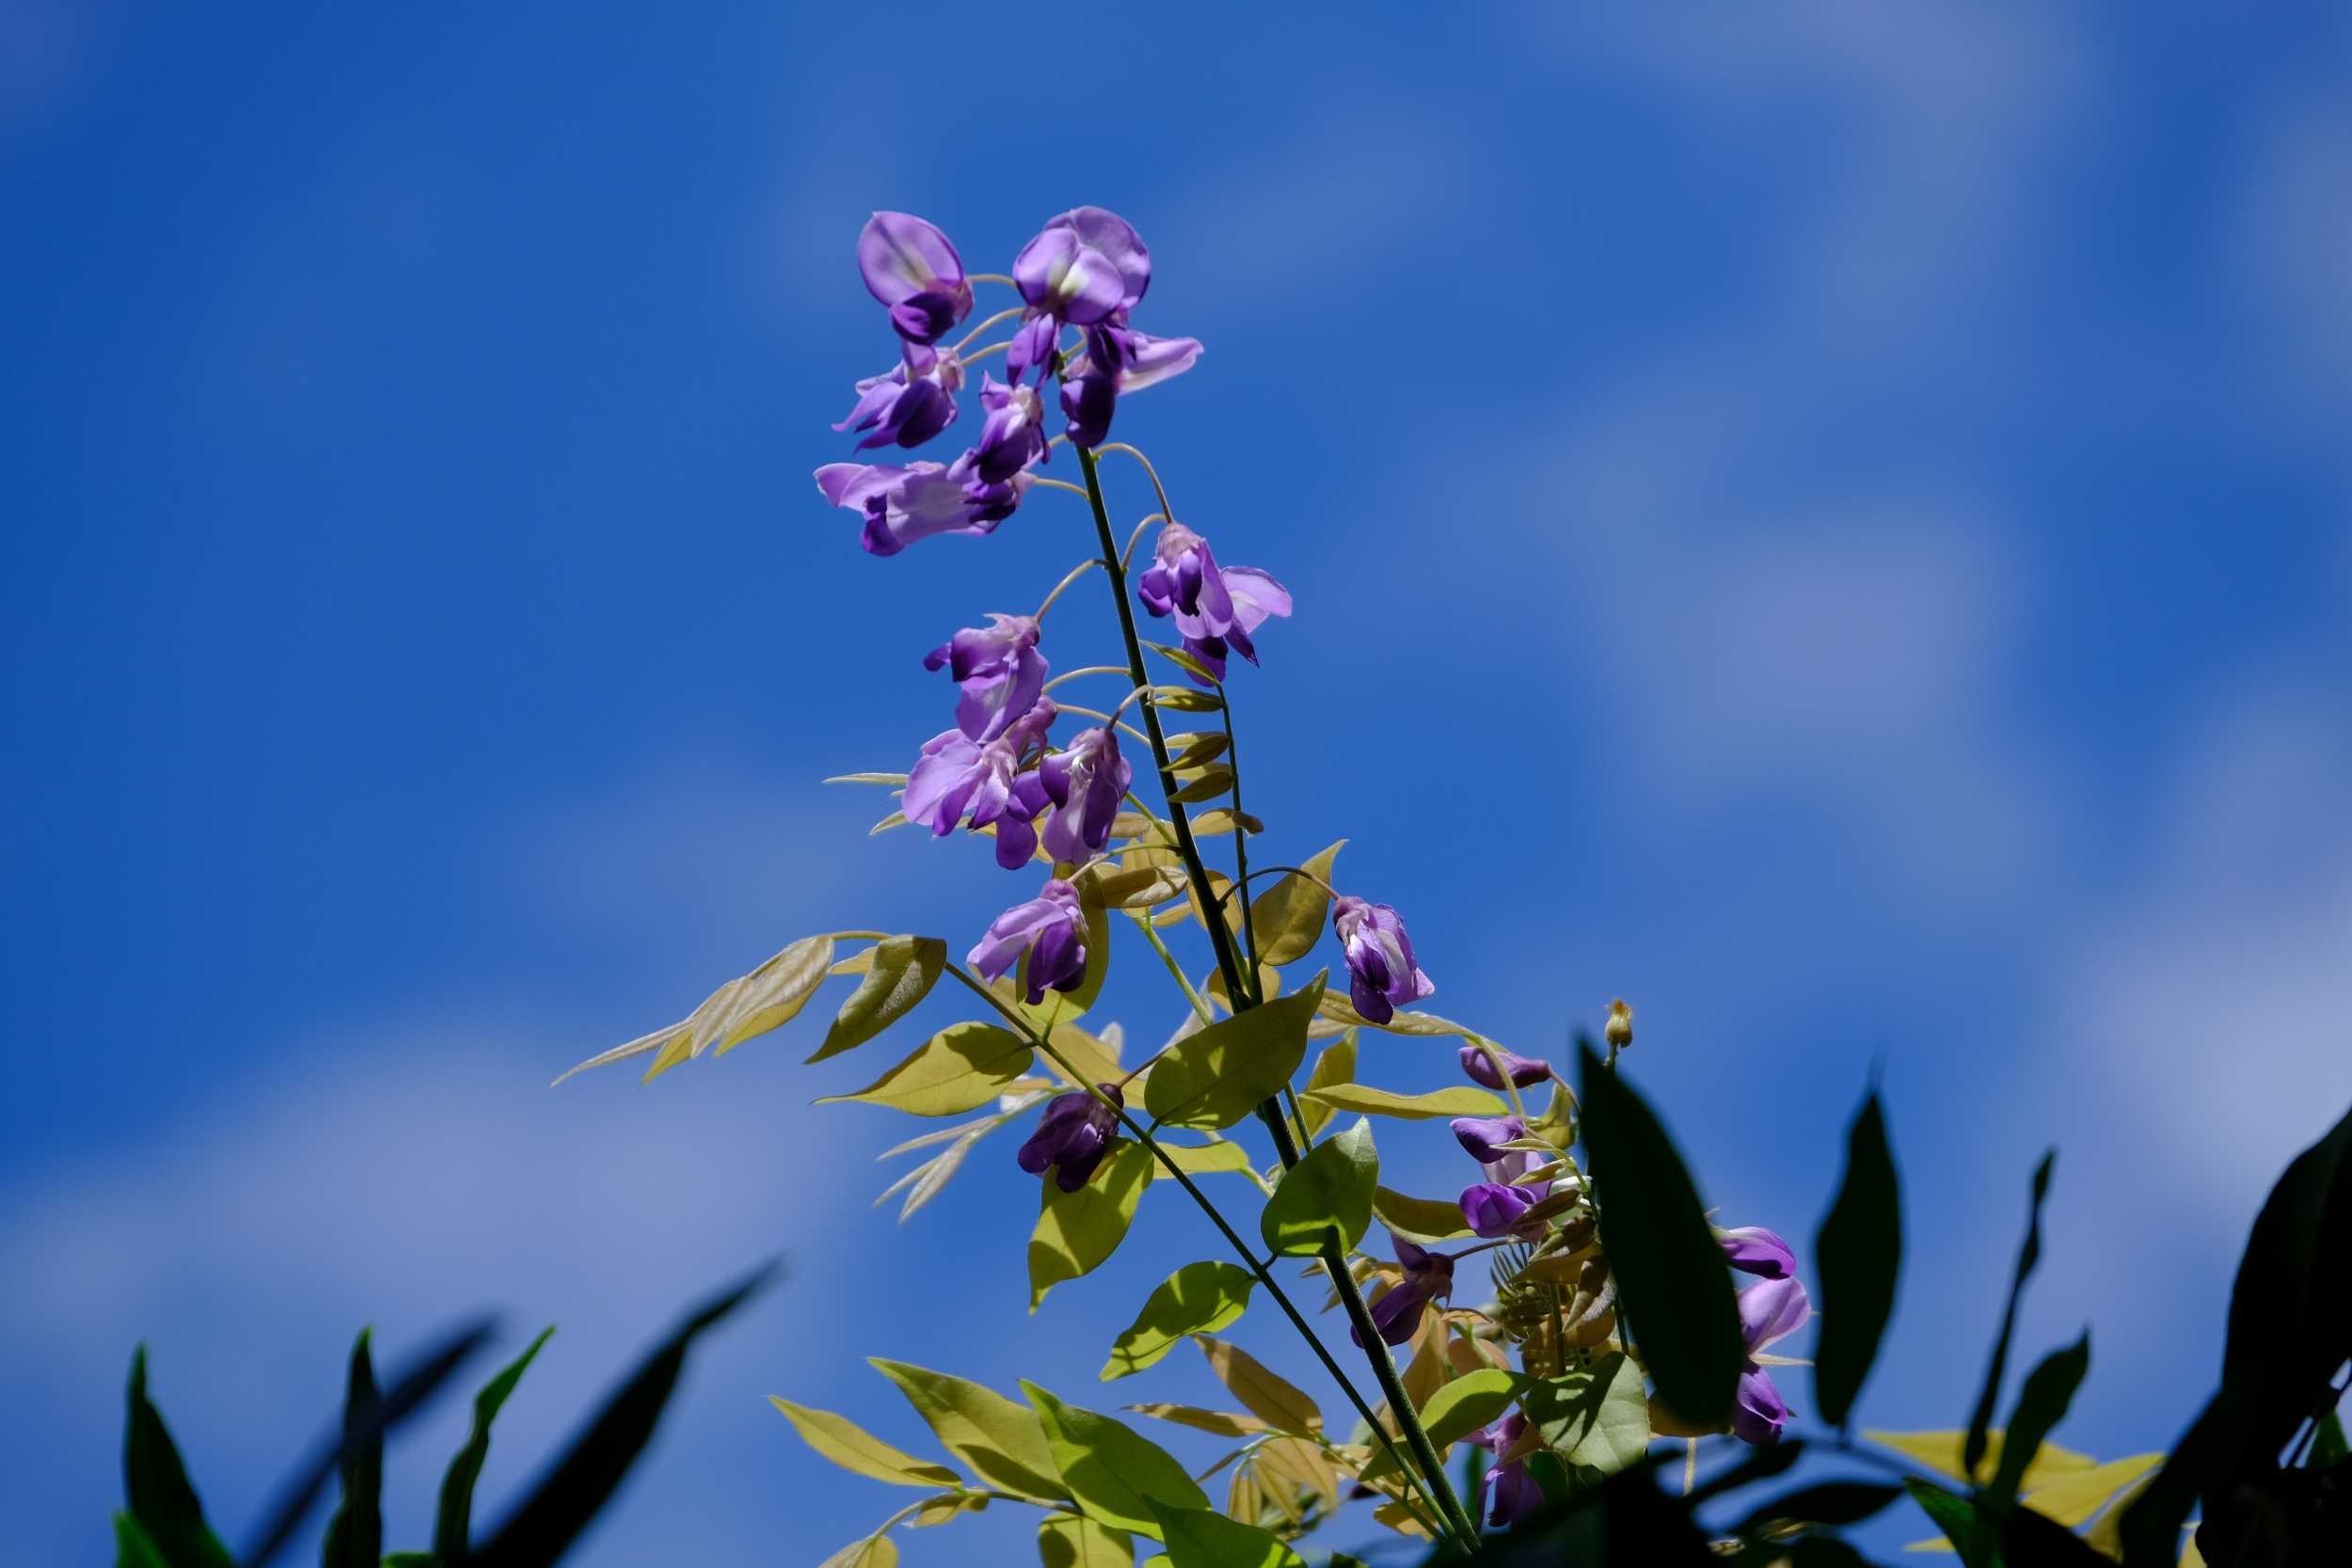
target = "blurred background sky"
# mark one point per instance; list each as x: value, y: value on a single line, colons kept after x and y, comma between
x: 1833, y: 521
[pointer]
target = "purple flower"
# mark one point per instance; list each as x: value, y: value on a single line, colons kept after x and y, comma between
x: 1072, y: 1135
x: 1086, y: 784
x: 904, y: 504
x: 910, y: 266
x: 1014, y: 435
x: 1497, y: 1206
x: 956, y: 777
x: 998, y: 670
x: 1512, y: 1494
x: 1480, y: 1136
x: 1050, y: 929
x: 1083, y: 266
x: 1427, y: 1276
x: 1770, y: 1310
x: 1495, y: 1209
x: 1381, y: 975
x: 1214, y: 607
x: 1118, y: 360
x: 910, y: 405
x: 1753, y: 1250
x: 1524, y: 1072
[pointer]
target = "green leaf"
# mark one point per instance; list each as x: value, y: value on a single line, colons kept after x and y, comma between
x: 859, y: 1451
x: 354, y: 1536
x: 1337, y: 1065
x: 1669, y: 1270
x: 1597, y: 1415
x: 1217, y: 1423
x: 998, y: 1438
x: 452, y: 1525
x: 1472, y: 1400
x: 875, y: 1551
x: 901, y: 974
x: 1202, y: 1160
x: 1287, y: 917
x: 1977, y: 1541
x: 1858, y: 1252
x: 1186, y: 660
x: 544, y: 1525
x: 1076, y: 1231
x: 1325, y: 1198
x: 1972, y: 1453
x: 1113, y: 1473
x: 134, y: 1546
x: 1461, y: 1099
x: 1198, y: 1298
x: 1075, y: 1540
x: 1419, y: 1219
x: 963, y: 1066
x: 2328, y: 1449
x: 1829, y: 1502
x: 1215, y: 780
x: 2041, y: 1404
x: 1199, y: 1538
x: 1217, y: 1077
x: 1263, y: 1392
x: 164, y: 1508
x: 746, y: 1006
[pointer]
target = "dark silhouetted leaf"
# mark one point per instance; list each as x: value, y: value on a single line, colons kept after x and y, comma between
x: 1672, y: 1284
x: 355, y: 1535
x: 2041, y: 1406
x: 1760, y: 1465
x: 452, y: 1524
x: 164, y: 1507
x: 1858, y: 1252
x: 134, y: 1546
x: 543, y: 1526
x: 1971, y: 1536
x: 2328, y: 1449
x: 1972, y: 1452
x: 1828, y: 1502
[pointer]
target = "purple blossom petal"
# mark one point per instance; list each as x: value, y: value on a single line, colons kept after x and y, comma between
x: 911, y: 268
x: 1772, y: 1310
x: 1757, y: 1411
x: 1753, y: 1250
x: 1479, y: 1135
x: 1525, y: 1071
x: 1071, y: 1137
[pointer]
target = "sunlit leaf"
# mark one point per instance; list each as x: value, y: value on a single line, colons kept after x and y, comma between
x: 1459, y: 1100
x: 1114, y: 1473
x: 1220, y: 1423
x: 894, y: 780
x: 1202, y: 1160
x: 1133, y: 887
x: 1598, y: 1416
x: 1209, y: 824
x: 1403, y: 1520
x: 2071, y: 1499
x: 875, y: 1551
x: 2041, y: 1406
x: 947, y: 1506
x: 744, y: 1006
x: 1213, y: 780
x: 1075, y: 1540
x: 1287, y: 917
x: 1076, y: 1231
x: 1335, y: 1065
x: 999, y: 1438
x: 1183, y: 699
x: 1219, y: 1075
x: 1337, y: 1011
x: 1200, y: 1538
x: 903, y: 970
x: 1325, y: 1198
x: 1859, y: 1253
x: 1196, y: 1298
x: 1263, y: 1393
x: 854, y: 1449
x: 1419, y: 1219
x: 961, y: 1067
x: 1941, y: 1452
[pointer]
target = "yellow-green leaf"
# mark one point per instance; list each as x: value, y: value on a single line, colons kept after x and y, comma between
x: 1597, y: 1415
x: 963, y: 1066
x: 1287, y: 917
x: 1201, y: 1160
x: 1337, y: 1065
x: 1075, y: 1540
x: 1336, y: 1009
x: 1138, y: 886
x: 1196, y: 1298
x: 875, y: 1551
x: 1096, y: 1059
x: 1217, y: 1077
x: 998, y: 1438
x: 854, y: 1449
x: 1472, y: 1400
x: 1418, y: 1219
x: 901, y: 974
x: 1272, y: 1399
x: 1325, y: 1198
x: 746, y: 1006
x: 1203, y: 1538
x: 1076, y: 1231
x: 1219, y: 1423
x: 1461, y: 1099
x: 1939, y: 1451
x: 1114, y: 1473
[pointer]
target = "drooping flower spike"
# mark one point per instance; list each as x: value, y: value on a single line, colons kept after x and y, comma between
x: 1118, y: 360
x: 998, y: 671
x: 1381, y: 974
x: 1216, y: 607
x: 1087, y: 269
x: 1524, y: 1072
x: 911, y: 268
x: 956, y: 777
x: 901, y: 505
x: 1770, y: 1310
x: 1072, y: 1136
x: 913, y: 401
x: 1511, y: 1493
x: 1050, y: 929
x: 1427, y: 1276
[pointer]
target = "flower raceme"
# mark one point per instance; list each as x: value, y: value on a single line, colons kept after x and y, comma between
x: 1215, y: 608
x: 1049, y: 929
x: 1071, y: 1137
x: 998, y: 673
x: 1381, y: 974
x: 958, y: 777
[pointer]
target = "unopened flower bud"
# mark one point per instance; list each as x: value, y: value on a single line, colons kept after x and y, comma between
x: 1620, y: 1031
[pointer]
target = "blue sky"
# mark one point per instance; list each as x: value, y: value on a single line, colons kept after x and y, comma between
x: 1834, y: 525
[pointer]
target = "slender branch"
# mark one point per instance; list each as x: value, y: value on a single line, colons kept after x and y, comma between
x: 999, y: 316
x: 1241, y: 859
x: 1057, y: 485
x: 1081, y: 569
x: 1127, y: 555
x: 1159, y: 945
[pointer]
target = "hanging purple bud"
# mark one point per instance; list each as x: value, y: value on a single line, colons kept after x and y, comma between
x: 1481, y: 1137
x: 1214, y: 607
x: 911, y: 403
x: 1381, y: 974
x: 1768, y: 1312
x: 1013, y: 436
x: 903, y: 504
x: 997, y: 670
x: 1083, y: 266
x: 1524, y: 1072
x: 1753, y: 1250
x: 1493, y: 1209
x: 1050, y: 929
x: 957, y: 778
x: 1071, y: 1137
x: 1511, y: 1493
x: 910, y: 266
x: 1086, y: 784
x: 1427, y: 1276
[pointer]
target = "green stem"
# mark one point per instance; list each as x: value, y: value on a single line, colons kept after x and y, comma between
x: 1159, y: 945
x: 1270, y: 1112
x: 1241, y: 1249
